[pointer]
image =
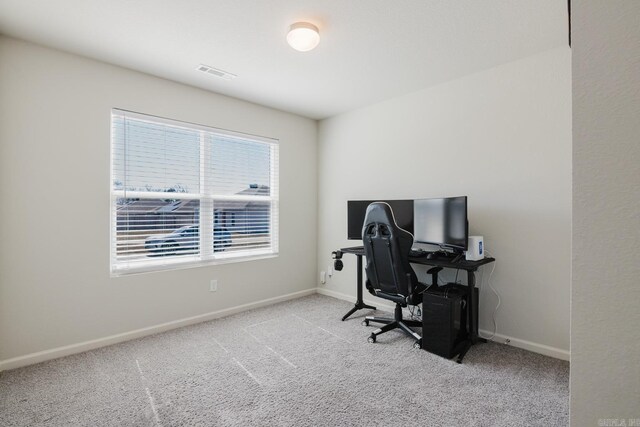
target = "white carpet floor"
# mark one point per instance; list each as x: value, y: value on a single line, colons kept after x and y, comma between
x: 290, y: 364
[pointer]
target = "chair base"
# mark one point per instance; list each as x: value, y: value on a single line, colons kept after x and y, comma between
x: 396, y: 323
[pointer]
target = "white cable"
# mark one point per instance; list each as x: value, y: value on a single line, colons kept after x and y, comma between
x: 412, y: 309
x: 495, y: 321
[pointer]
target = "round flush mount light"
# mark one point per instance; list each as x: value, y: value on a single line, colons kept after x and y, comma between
x: 303, y: 36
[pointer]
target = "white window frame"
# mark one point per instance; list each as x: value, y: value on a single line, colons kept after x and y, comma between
x: 206, y: 255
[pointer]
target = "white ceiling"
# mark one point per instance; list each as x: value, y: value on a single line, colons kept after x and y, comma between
x: 370, y: 50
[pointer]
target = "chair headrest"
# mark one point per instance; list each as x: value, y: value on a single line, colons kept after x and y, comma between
x: 380, y: 212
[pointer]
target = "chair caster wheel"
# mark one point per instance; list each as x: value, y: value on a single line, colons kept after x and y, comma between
x: 365, y: 323
x: 417, y: 345
x: 372, y: 339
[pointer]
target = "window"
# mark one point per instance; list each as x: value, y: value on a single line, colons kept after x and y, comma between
x: 189, y: 194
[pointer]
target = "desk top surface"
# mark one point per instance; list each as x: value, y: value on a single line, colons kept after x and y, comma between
x: 463, y: 264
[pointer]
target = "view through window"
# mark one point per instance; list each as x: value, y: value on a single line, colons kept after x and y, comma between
x: 185, y: 193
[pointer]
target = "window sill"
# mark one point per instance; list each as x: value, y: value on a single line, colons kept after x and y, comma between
x: 152, y: 267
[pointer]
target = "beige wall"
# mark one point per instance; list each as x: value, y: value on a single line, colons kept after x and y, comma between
x: 55, y: 288
x: 605, y: 297
x: 503, y: 138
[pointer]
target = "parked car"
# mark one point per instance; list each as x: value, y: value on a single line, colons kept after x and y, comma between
x: 185, y: 240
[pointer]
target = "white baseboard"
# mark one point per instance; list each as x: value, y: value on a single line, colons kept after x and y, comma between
x: 528, y: 345
x: 499, y: 338
x: 55, y: 353
x: 67, y: 350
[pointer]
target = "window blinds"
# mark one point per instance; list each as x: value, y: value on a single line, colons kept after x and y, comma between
x: 183, y: 193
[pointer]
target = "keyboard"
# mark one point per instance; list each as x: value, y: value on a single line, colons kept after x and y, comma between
x: 446, y: 256
x: 418, y: 253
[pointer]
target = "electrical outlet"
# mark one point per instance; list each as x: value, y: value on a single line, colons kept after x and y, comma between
x: 213, y: 286
x: 323, y: 277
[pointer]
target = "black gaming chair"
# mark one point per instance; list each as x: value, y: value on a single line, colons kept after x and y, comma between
x: 389, y: 274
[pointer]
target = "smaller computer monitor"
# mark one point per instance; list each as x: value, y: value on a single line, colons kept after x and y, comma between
x: 442, y: 222
x: 356, y: 210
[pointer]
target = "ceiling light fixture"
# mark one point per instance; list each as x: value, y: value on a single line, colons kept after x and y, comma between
x: 303, y: 36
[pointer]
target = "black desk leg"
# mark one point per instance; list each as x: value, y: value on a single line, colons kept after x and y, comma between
x: 473, y: 306
x: 466, y: 348
x: 472, y: 314
x: 359, y: 303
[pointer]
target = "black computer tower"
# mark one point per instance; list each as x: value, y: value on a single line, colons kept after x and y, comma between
x: 444, y: 319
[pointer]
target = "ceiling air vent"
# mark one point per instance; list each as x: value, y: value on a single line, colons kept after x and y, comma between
x: 216, y: 72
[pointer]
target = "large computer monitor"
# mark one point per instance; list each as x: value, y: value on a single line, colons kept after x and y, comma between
x: 356, y: 209
x: 442, y: 222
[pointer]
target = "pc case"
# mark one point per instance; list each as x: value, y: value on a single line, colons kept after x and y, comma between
x: 444, y: 319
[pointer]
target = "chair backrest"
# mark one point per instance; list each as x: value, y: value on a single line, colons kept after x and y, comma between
x: 386, y: 248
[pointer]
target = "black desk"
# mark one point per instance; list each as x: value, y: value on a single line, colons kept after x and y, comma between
x: 469, y: 266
